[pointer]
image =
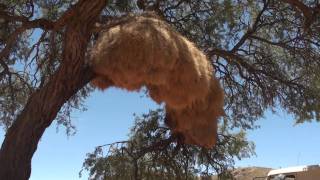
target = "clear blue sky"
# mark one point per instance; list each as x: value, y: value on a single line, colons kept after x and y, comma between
x: 110, y: 115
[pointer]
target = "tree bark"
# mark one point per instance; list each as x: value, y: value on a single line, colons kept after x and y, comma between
x: 22, y: 138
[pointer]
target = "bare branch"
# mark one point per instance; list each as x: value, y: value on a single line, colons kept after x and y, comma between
x: 228, y: 55
x: 39, y: 23
x: 252, y: 29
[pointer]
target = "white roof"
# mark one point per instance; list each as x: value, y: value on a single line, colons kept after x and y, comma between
x: 292, y: 169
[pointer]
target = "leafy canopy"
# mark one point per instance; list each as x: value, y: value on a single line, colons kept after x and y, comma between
x: 262, y: 51
x: 152, y: 153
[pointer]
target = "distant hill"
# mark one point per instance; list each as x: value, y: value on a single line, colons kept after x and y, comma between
x: 248, y: 173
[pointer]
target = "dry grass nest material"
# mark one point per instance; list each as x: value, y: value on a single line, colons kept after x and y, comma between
x: 146, y: 52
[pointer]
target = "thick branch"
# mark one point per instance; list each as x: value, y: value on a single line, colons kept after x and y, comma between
x: 5, y: 68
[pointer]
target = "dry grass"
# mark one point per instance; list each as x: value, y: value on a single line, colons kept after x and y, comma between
x: 145, y: 51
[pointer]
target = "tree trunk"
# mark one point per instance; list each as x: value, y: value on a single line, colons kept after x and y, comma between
x: 23, y: 136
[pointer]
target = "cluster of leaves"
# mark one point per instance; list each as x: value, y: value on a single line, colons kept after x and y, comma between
x: 11, y: 81
x: 153, y: 153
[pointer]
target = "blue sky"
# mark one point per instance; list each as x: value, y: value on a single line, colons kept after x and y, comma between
x: 279, y: 143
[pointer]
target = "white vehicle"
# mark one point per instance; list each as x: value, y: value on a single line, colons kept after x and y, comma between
x: 311, y: 172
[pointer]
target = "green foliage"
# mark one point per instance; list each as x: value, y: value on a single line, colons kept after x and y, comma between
x: 153, y: 153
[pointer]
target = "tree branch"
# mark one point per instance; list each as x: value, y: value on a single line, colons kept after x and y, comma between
x: 39, y: 23
x: 252, y: 29
x: 228, y: 55
x: 27, y: 24
x: 304, y: 9
x: 310, y: 13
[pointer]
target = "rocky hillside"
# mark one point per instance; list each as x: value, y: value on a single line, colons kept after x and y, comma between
x: 248, y: 173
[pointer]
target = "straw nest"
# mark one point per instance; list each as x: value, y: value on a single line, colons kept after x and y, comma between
x: 146, y: 52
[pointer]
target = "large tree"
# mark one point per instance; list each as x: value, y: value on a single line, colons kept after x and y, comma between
x: 265, y: 53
